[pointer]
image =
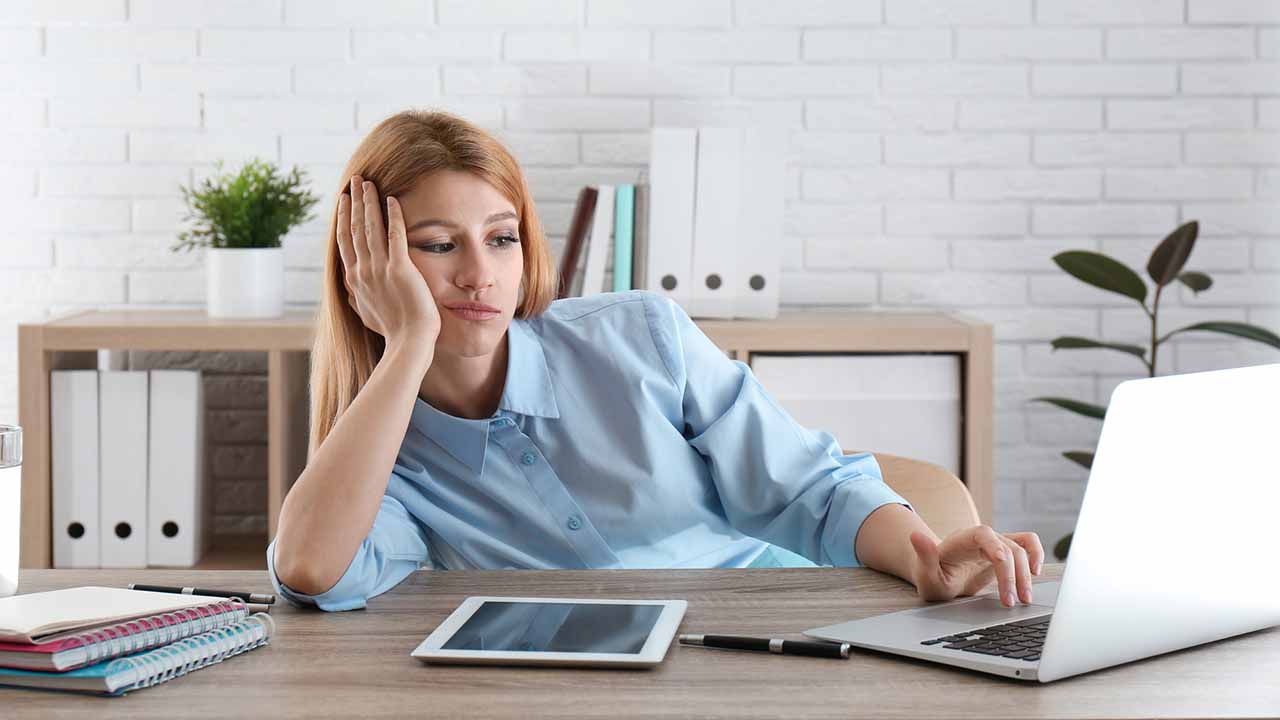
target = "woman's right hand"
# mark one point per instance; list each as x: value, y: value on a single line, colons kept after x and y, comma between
x: 383, y: 285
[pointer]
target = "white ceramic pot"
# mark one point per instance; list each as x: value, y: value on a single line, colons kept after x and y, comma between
x: 244, y: 282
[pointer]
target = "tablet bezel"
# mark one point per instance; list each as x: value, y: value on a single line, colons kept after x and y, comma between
x: 652, y: 653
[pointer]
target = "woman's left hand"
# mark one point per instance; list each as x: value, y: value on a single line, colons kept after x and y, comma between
x: 967, y: 560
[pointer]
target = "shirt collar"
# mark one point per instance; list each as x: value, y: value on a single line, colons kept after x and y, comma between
x: 527, y: 391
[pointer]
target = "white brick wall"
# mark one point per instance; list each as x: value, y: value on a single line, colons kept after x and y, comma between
x: 940, y: 154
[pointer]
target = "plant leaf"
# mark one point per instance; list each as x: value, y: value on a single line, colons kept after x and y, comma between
x: 1238, y: 329
x: 1075, y: 406
x: 1063, y: 546
x: 1080, y: 457
x: 1077, y: 343
x: 1197, y: 281
x: 1103, y: 272
x: 1172, y: 253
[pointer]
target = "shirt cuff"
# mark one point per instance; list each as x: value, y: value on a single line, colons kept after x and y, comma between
x: 867, y: 493
x: 344, y: 595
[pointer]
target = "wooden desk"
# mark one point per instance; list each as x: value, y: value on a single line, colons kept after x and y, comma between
x: 357, y: 664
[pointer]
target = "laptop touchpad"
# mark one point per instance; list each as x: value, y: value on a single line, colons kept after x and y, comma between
x: 982, y: 611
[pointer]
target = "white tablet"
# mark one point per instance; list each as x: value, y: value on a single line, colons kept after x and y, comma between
x: 489, y: 630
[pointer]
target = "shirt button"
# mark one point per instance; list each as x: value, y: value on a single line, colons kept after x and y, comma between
x: 574, y: 523
x: 528, y: 458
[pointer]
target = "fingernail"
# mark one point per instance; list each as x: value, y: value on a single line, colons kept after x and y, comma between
x: 1009, y: 600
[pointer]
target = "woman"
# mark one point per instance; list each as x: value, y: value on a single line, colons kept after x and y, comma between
x: 460, y: 419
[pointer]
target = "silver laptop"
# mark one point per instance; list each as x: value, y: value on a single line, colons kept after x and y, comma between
x: 1172, y: 547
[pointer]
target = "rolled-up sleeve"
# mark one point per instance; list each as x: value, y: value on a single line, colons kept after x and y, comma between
x: 395, y: 546
x: 778, y: 481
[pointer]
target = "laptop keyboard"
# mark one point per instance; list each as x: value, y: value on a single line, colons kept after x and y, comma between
x: 1020, y: 640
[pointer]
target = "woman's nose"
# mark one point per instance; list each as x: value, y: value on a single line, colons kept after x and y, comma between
x: 476, y: 271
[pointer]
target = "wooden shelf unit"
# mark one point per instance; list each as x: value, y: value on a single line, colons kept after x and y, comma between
x: 72, y: 341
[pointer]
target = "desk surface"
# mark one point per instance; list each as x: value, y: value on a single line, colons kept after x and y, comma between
x: 357, y: 664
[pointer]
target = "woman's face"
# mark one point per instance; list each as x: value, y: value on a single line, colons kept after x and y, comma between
x: 464, y: 237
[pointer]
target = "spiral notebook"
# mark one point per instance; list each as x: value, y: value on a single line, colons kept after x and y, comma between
x: 152, y: 667
x: 55, y: 614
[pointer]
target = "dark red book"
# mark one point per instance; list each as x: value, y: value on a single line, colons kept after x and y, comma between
x: 576, y: 239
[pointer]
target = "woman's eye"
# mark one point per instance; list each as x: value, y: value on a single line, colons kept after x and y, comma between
x: 509, y: 240
x: 436, y: 247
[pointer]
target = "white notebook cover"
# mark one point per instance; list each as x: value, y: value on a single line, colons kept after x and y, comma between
x: 24, y: 618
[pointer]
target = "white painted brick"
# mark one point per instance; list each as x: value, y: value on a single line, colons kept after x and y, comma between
x: 1238, y: 148
x: 899, y: 115
x: 205, y: 13
x: 1038, y: 114
x: 828, y: 288
x: 875, y: 184
x: 958, y: 12
x: 1132, y: 325
x: 63, y: 78
x: 1103, y: 219
x: 26, y: 251
x: 1064, y: 290
x: 1269, y: 42
x: 1036, y: 461
x: 1027, y: 184
x: 1177, y: 43
x: 68, y: 214
x: 1007, y: 496
x: 18, y: 182
x: 822, y: 13
x: 1028, y: 43
x: 180, y: 111
x: 535, y: 148
x: 365, y: 14
x: 878, y: 44
x: 1036, y: 324
x: 1109, y: 12
x: 157, y: 215
x: 485, y: 113
x: 1268, y: 113
x: 1211, y: 253
x: 658, y: 79
x: 666, y: 13
x: 1118, y: 149
x: 817, y: 148
x: 844, y: 219
x: 1256, y: 12
x: 497, y: 13
x: 1008, y: 360
x: 1230, y: 78
x: 1180, y: 183
x: 858, y: 253
x: 1268, y: 318
x: 956, y: 149
x: 1268, y: 183
x: 806, y: 80
x: 1266, y: 254
x: 564, y: 184
x: 63, y: 285
x: 1235, y: 218
x: 944, y: 289
x: 304, y: 250
x: 1231, y: 289
x: 302, y: 286
x: 956, y: 219
x: 241, y: 45
x: 20, y: 43
x: 123, y: 252
x: 954, y: 79
x: 426, y: 45
x: 1053, y: 427
x: 1104, y: 79
x: 80, y: 11
x: 1055, y: 496
x: 168, y: 286
x: 116, y: 181
x: 1010, y: 254
x: 169, y: 146
x: 267, y: 113
x: 215, y: 78
x: 735, y: 112
x: 66, y: 43
x: 1181, y: 114
x: 556, y: 79
x: 22, y: 112
x: 742, y: 45
x: 587, y: 114
x: 29, y: 147
x: 1042, y: 359
x: 1199, y: 357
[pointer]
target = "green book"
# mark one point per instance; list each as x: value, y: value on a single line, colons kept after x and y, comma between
x: 622, y: 222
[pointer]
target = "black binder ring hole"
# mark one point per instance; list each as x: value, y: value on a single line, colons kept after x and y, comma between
x: 170, y: 529
x: 668, y: 282
x: 713, y: 281
x: 123, y: 530
x: 757, y: 282
x: 75, y: 530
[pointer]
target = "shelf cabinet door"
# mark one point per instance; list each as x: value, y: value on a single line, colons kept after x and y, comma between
x: 903, y: 404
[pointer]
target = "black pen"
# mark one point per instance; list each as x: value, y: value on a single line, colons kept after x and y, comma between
x: 773, y: 645
x: 245, y: 596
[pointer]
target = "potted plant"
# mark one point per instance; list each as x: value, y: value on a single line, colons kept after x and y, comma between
x: 240, y: 220
x: 1164, y: 268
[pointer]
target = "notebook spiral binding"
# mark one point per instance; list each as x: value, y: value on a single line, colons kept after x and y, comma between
x: 155, y: 630
x: 178, y: 659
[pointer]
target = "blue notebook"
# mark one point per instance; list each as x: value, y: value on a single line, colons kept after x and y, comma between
x: 152, y: 667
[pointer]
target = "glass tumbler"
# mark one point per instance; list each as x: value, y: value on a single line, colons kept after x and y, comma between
x: 10, y: 506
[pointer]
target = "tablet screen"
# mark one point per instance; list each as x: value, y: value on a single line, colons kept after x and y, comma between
x: 556, y: 627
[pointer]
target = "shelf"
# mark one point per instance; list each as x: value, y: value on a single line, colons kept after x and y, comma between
x: 236, y: 553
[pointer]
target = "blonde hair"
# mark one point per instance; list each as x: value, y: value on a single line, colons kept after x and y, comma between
x: 394, y: 156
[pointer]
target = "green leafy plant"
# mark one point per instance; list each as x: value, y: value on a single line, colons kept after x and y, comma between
x: 252, y: 209
x: 1164, y: 267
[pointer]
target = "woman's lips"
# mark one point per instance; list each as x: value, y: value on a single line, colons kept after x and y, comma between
x: 469, y: 313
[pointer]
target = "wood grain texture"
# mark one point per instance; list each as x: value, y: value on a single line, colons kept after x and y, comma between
x: 357, y: 664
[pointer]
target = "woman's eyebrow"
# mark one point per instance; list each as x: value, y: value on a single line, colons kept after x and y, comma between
x: 448, y: 223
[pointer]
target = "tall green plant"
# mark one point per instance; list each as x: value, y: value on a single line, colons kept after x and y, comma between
x: 1164, y: 267
x: 252, y: 209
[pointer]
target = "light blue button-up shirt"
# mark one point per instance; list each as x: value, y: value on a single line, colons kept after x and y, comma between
x: 624, y: 439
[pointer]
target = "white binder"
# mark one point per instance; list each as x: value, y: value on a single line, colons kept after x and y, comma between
x: 122, y: 415
x: 717, y: 211
x: 175, y: 473
x: 73, y: 442
x: 673, y: 155
x: 600, y: 243
x: 759, y: 236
